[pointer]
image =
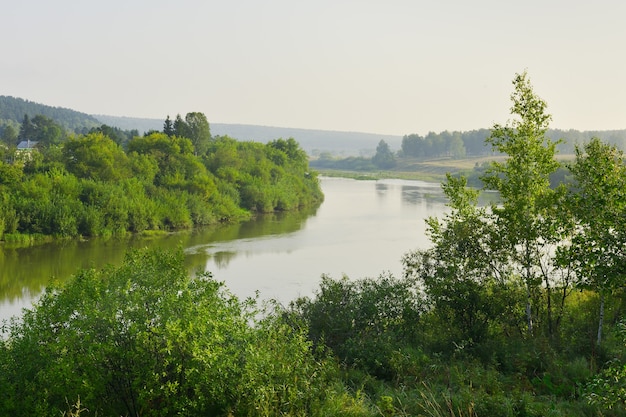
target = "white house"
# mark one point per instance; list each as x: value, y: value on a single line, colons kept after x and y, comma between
x: 25, y: 149
x: 26, y: 145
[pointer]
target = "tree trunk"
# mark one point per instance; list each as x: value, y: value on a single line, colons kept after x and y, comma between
x: 529, y: 312
x: 529, y: 288
x: 601, y: 319
x: 549, y: 303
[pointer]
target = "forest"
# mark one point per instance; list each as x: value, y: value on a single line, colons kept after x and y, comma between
x: 451, y: 146
x: 13, y: 109
x: 516, y: 309
x: 109, y: 182
x: 472, y: 143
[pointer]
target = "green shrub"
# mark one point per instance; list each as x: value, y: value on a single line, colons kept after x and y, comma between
x: 366, y: 323
x: 147, y: 339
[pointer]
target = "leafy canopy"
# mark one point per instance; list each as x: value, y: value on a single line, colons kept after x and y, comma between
x: 146, y: 338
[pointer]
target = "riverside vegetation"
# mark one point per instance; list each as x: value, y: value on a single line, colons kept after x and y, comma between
x: 515, y: 310
x: 90, y: 185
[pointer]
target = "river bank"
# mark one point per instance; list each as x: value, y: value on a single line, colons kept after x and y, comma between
x: 361, y: 229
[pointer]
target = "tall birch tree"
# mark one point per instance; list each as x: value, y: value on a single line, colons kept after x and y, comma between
x: 525, y: 213
x: 598, y: 202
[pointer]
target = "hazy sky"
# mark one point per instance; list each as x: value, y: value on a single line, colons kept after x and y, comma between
x: 393, y: 67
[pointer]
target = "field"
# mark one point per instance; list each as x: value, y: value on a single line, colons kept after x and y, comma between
x: 433, y: 170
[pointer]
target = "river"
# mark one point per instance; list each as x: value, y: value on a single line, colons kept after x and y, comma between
x: 362, y: 229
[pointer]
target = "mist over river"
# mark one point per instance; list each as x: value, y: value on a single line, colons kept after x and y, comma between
x: 362, y: 229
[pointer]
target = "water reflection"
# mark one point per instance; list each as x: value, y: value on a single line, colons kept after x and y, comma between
x: 416, y: 194
x: 381, y: 188
x: 412, y: 192
x: 361, y: 229
x: 223, y: 258
x: 32, y: 268
x: 26, y: 271
x: 265, y: 230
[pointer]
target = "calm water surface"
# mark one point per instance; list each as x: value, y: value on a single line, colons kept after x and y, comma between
x: 361, y: 230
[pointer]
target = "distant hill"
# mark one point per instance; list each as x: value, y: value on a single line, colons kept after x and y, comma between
x: 131, y: 123
x: 13, y: 109
x: 312, y: 141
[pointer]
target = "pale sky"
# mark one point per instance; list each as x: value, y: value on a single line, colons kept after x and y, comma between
x: 389, y: 67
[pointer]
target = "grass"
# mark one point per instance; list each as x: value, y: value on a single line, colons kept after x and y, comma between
x: 440, y: 407
x: 15, y: 240
x: 413, y: 169
x: 433, y: 170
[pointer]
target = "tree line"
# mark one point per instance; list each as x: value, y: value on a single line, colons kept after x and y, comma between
x: 383, y: 158
x: 456, y: 145
x: 93, y: 185
x: 516, y: 309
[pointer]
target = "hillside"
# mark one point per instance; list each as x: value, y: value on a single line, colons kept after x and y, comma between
x: 13, y: 109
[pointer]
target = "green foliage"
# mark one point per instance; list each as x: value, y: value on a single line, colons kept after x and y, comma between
x: 41, y: 129
x: 10, y: 174
x: 90, y: 186
x: 597, y: 201
x: 472, y: 143
x: 384, y: 158
x: 528, y: 249
x: 117, y: 135
x: 442, y: 405
x: 463, y: 276
x: 199, y: 131
x: 181, y: 128
x: 366, y: 323
x: 96, y: 157
x: 449, y: 338
x: 272, y: 177
x: 147, y: 339
x: 13, y: 109
x: 527, y: 211
x: 168, y: 126
x: 159, y: 145
x: 9, y: 135
x: 444, y: 144
x: 608, y: 388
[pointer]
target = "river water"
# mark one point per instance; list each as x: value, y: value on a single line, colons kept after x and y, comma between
x: 362, y: 229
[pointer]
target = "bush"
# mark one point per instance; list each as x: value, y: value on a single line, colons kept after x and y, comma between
x: 146, y: 339
x: 366, y: 323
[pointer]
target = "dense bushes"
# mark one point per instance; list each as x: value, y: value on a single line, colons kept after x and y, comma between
x: 393, y: 343
x: 90, y: 186
x: 146, y: 339
x: 366, y: 323
x: 266, y: 177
